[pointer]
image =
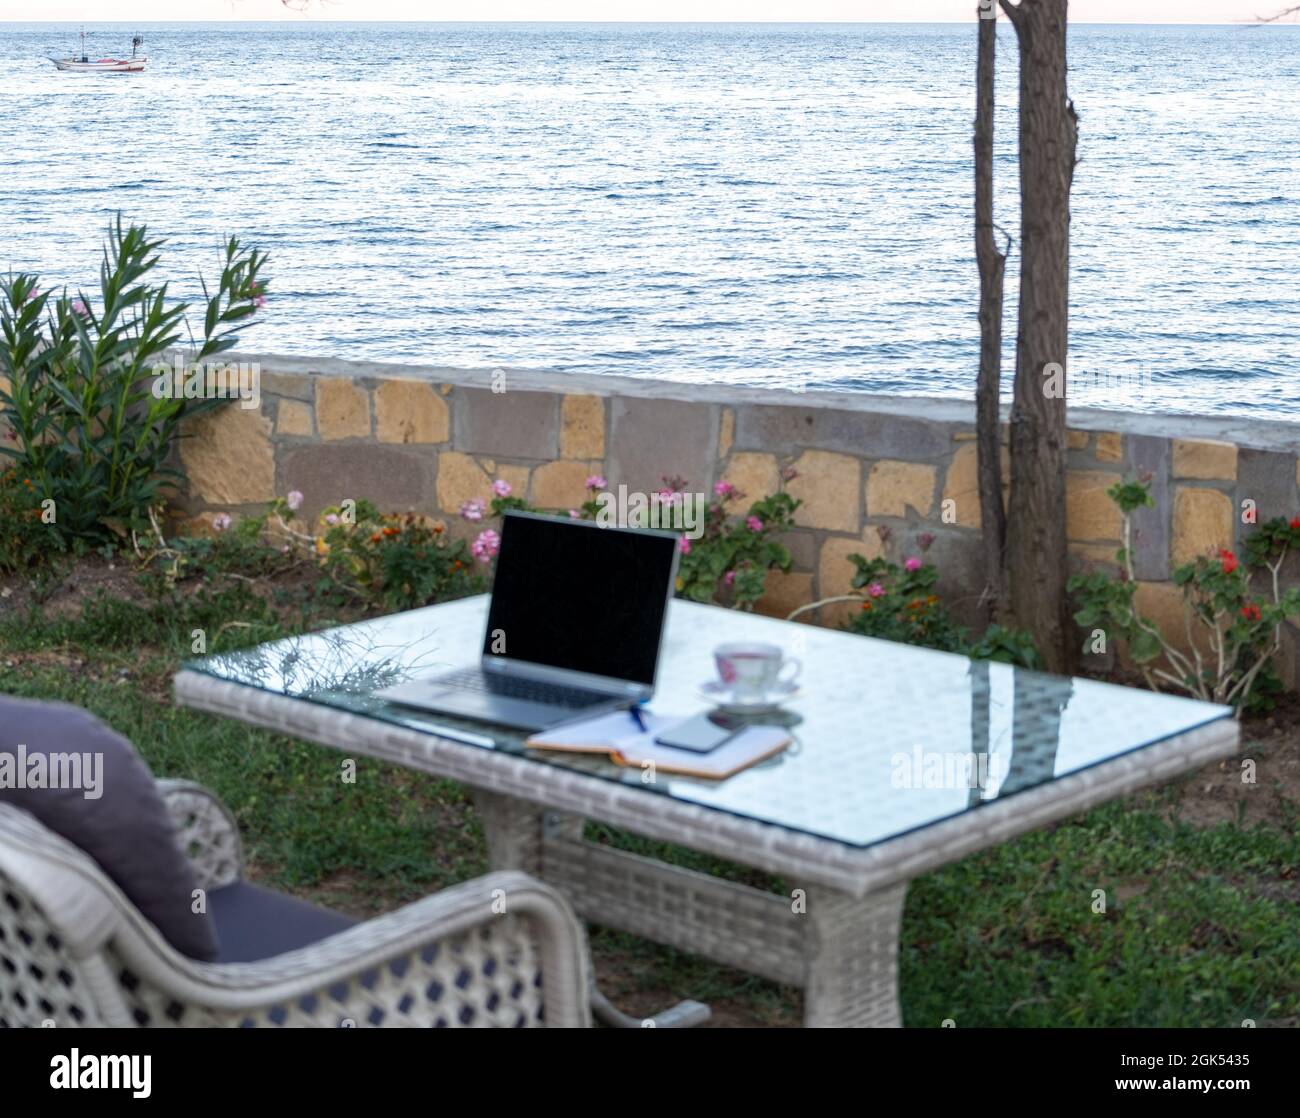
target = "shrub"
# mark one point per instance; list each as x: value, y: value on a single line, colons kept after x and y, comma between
x: 26, y: 540
x: 1239, y: 628
x: 85, y: 426
x: 730, y: 560
x: 401, y: 561
x: 901, y: 604
x: 727, y: 564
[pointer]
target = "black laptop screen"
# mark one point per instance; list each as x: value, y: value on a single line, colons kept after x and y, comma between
x: 574, y: 595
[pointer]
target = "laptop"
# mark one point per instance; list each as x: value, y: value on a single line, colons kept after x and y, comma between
x: 574, y: 627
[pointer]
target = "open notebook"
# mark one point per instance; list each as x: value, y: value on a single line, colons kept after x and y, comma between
x: 616, y: 735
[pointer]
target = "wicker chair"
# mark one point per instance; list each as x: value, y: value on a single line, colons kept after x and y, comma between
x: 75, y: 952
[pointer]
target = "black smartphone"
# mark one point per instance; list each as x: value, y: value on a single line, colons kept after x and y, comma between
x: 700, y: 734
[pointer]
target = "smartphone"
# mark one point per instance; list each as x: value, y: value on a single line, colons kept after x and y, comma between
x: 700, y: 734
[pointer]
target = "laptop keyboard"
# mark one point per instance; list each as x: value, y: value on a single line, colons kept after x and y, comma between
x: 531, y: 690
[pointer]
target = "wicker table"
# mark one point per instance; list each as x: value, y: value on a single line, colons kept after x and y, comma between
x: 904, y: 759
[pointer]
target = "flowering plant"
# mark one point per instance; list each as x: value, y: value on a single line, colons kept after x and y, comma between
x: 730, y: 560
x: 403, y: 560
x: 25, y: 537
x: 900, y: 603
x: 1240, y: 627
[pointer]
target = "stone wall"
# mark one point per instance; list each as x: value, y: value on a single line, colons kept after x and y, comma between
x: 428, y: 439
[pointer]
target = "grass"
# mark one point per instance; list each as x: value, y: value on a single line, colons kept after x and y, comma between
x: 1201, y: 924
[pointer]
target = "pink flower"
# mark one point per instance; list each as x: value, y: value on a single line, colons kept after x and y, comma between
x: 79, y: 307
x: 912, y: 564
x: 574, y: 514
x: 876, y: 590
x: 256, y: 294
x: 221, y: 522
x: 486, y: 544
x: 684, y: 546
x: 753, y: 524
x: 331, y: 518
x: 294, y: 500
x: 595, y: 481
x: 724, y: 489
x: 502, y: 488
x: 729, y: 577
x: 472, y: 510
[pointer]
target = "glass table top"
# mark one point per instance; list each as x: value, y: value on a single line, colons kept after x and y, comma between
x: 887, y: 737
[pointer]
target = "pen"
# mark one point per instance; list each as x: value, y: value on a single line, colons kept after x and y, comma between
x: 635, y: 712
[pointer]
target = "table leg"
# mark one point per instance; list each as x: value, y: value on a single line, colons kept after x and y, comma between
x: 852, y: 979
x: 514, y: 830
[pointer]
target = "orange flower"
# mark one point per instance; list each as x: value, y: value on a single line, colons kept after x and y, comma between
x: 376, y: 538
x: 866, y: 605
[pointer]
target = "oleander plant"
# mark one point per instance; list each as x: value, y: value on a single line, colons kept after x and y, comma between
x: 81, y: 422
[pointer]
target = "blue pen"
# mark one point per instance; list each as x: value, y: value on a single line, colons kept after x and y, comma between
x: 635, y: 712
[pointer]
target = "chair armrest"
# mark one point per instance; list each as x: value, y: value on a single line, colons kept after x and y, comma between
x: 492, y: 951
x: 206, y: 832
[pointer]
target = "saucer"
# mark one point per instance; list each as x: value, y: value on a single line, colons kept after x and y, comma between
x: 719, y: 693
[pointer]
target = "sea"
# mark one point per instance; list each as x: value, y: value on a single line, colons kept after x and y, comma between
x: 754, y: 204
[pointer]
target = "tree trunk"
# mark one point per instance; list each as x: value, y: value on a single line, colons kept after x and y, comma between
x: 992, y: 264
x: 1036, y: 542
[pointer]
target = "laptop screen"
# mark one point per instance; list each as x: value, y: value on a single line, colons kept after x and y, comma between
x: 570, y: 594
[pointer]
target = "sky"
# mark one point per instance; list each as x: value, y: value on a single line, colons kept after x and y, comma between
x: 1081, y: 11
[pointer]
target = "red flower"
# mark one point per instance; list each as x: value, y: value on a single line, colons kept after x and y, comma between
x: 1229, y: 561
x: 1250, y: 612
x: 1295, y: 524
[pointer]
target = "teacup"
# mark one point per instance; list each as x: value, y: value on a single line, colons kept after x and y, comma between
x: 752, y: 671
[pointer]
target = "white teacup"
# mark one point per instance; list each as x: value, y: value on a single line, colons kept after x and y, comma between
x: 752, y: 671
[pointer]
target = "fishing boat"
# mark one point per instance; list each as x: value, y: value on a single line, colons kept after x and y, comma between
x: 83, y: 63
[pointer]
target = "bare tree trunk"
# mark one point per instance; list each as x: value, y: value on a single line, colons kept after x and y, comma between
x: 992, y: 265
x: 1036, y: 542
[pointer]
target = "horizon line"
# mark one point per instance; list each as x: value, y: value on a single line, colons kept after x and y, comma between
x: 304, y: 21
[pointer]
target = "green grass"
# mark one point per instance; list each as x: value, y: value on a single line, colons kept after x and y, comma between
x: 1201, y: 928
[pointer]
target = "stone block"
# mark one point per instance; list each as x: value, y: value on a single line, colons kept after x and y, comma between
x: 895, y: 487
x: 342, y: 409
x: 783, y: 593
x: 1264, y: 476
x: 782, y: 429
x: 1149, y: 457
x: 1089, y: 513
x: 755, y: 475
x: 294, y: 419
x: 461, y: 479
x: 560, y: 485
x: 392, y: 478
x: 830, y: 487
x: 835, y: 573
x: 653, y: 438
x: 727, y: 432
x: 1197, y: 458
x: 296, y: 386
x: 410, y: 411
x: 582, y: 427
x: 1110, y: 446
x: 514, y: 424
x: 227, y: 456
x: 1202, y: 523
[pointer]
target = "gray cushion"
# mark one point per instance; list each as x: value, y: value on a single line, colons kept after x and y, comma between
x: 255, y: 923
x: 114, y: 814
